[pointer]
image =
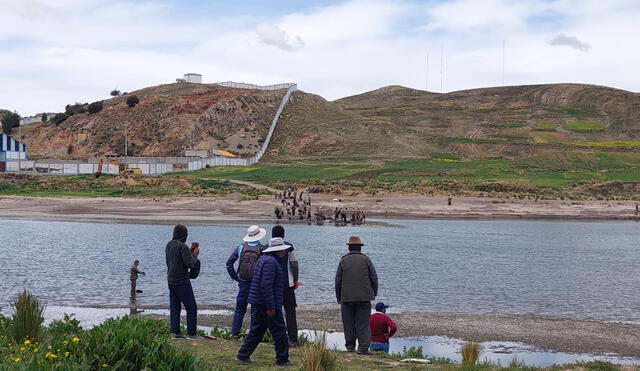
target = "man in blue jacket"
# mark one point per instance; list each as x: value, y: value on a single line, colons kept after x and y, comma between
x: 266, y: 301
x: 247, y: 254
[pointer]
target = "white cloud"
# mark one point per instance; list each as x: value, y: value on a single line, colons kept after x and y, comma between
x: 24, y: 8
x: 570, y: 41
x: 271, y: 34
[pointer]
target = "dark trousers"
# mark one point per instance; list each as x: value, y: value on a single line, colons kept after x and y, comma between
x: 355, y: 320
x: 241, y: 306
x: 290, y: 313
x: 260, y: 322
x: 179, y: 295
x: 133, y: 289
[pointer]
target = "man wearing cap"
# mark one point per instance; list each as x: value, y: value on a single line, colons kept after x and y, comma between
x: 266, y: 304
x: 382, y: 329
x: 290, y: 270
x: 356, y: 286
x: 248, y: 254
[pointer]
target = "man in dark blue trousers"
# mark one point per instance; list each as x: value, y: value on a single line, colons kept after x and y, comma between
x: 247, y: 254
x: 266, y: 298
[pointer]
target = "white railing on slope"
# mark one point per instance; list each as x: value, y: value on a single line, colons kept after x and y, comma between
x: 217, y: 161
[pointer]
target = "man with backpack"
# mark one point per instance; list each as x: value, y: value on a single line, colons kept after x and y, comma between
x: 247, y: 254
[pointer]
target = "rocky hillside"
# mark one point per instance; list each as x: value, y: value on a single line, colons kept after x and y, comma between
x: 504, y: 122
x: 168, y: 119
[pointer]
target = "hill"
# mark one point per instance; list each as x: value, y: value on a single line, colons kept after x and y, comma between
x: 398, y: 122
x: 168, y: 119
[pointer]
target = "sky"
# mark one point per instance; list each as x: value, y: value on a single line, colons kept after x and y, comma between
x: 55, y: 52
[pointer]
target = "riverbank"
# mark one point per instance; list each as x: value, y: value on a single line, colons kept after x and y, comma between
x: 547, y: 333
x: 234, y: 208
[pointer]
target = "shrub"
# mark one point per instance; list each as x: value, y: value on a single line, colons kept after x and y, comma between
x: 59, y: 118
x: 28, y: 318
x: 76, y: 108
x: 68, y: 327
x: 10, y: 120
x: 470, y: 353
x: 114, y: 92
x: 95, y: 107
x: 70, y: 149
x: 316, y: 356
x: 44, y: 117
x: 132, y: 101
x: 412, y: 352
x: 134, y: 344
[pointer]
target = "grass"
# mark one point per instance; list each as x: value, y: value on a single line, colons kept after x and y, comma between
x: 316, y: 356
x: 545, y: 126
x: 470, y: 353
x: 584, y: 126
x: 27, y: 319
x: 614, y: 144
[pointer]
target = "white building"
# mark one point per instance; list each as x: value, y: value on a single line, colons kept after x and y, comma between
x: 193, y: 77
x: 11, y: 149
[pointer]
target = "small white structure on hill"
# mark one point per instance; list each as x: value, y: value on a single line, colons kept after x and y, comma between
x: 195, y: 78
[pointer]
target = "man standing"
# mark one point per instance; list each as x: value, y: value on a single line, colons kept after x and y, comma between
x: 134, y: 278
x: 266, y: 304
x: 290, y: 270
x: 248, y: 254
x: 180, y: 260
x: 356, y: 286
x: 382, y: 329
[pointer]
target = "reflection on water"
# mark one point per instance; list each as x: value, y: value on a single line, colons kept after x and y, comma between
x: 575, y: 269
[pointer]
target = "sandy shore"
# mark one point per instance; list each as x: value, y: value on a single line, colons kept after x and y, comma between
x: 553, y: 334
x: 232, y: 209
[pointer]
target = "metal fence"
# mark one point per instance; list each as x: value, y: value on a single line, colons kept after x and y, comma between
x: 242, y: 85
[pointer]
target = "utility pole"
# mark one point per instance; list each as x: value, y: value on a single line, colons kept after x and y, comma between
x: 427, y: 71
x: 503, y: 57
x: 441, y: 68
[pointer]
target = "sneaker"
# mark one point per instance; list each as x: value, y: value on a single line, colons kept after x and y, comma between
x: 244, y: 360
x: 351, y: 350
x: 194, y: 337
x: 286, y: 364
x: 177, y: 336
x: 235, y: 337
x: 365, y: 353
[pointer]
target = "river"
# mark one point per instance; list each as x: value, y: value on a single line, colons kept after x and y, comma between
x: 582, y: 270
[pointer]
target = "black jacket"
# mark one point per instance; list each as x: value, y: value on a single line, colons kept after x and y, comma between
x: 179, y: 257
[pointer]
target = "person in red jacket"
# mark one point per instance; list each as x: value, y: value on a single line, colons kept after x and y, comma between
x: 382, y: 329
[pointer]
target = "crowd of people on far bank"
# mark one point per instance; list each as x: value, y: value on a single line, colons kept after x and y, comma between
x: 268, y: 276
x: 294, y: 205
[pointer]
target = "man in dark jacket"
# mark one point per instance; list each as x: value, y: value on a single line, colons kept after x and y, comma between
x: 133, y: 277
x: 180, y: 260
x: 266, y: 304
x: 290, y: 270
x: 248, y: 254
x: 356, y: 286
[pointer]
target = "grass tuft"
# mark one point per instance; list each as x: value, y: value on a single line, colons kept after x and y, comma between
x: 470, y: 353
x: 316, y: 356
x: 28, y: 318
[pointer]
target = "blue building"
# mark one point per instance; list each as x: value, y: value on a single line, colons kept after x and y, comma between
x: 11, y: 150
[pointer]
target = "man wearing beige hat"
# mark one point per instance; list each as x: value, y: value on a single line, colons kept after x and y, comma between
x: 356, y: 286
x: 247, y: 254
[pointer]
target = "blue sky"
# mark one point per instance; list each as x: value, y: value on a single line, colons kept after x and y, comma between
x: 54, y: 52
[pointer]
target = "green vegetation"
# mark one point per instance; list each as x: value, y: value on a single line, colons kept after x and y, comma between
x: 59, y: 118
x: 10, y: 120
x: 545, y: 126
x: 584, y: 126
x: 95, y: 107
x: 132, y: 100
x: 470, y: 353
x: 628, y: 144
x: 27, y: 319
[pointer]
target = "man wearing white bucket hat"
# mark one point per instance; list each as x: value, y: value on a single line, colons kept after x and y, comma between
x: 248, y: 254
x: 266, y: 298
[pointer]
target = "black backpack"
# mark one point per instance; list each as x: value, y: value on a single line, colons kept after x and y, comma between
x: 248, y: 259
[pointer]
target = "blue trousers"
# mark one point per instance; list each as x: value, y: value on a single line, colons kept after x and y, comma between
x: 241, y: 306
x: 380, y: 347
x: 178, y: 295
x: 260, y: 322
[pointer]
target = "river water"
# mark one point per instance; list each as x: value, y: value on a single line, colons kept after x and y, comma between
x: 585, y: 270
